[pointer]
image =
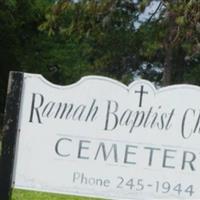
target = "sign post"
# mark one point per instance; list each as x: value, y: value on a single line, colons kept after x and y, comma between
x: 10, y: 129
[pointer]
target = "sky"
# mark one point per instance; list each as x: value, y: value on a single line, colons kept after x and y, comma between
x: 149, y: 10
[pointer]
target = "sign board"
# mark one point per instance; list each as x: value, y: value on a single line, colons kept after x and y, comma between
x: 100, y: 138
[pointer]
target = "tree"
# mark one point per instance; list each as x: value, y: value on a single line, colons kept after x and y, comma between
x: 24, y: 48
x: 107, y: 29
x: 166, y: 41
x: 100, y: 37
x: 176, y: 39
x: 8, y: 44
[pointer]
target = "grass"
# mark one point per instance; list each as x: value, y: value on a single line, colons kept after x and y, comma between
x: 27, y: 195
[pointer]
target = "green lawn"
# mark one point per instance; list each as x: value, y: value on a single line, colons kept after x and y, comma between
x: 27, y: 195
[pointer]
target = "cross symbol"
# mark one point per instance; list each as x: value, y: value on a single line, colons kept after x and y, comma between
x: 141, y: 92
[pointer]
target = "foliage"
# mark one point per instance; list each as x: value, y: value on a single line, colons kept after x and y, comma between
x: 105, y: 26
x: 183, y: 36
x: 65, y: 39
x: 166, y: 42
x: 23, y: 47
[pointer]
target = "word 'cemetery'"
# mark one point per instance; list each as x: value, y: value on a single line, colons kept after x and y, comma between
x: 90, y: 150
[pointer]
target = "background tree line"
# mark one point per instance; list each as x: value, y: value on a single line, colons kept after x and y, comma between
x: 64, y: 40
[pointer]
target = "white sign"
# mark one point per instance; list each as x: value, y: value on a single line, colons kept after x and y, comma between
x: 100, y: 138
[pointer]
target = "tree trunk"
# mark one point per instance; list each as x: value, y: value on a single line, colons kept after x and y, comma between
x: 167, y: 73
x: 168, y: 48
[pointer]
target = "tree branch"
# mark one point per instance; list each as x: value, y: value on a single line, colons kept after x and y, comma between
x: 154, y: 13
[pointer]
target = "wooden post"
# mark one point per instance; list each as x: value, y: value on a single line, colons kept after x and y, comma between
x: 10, y: 129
